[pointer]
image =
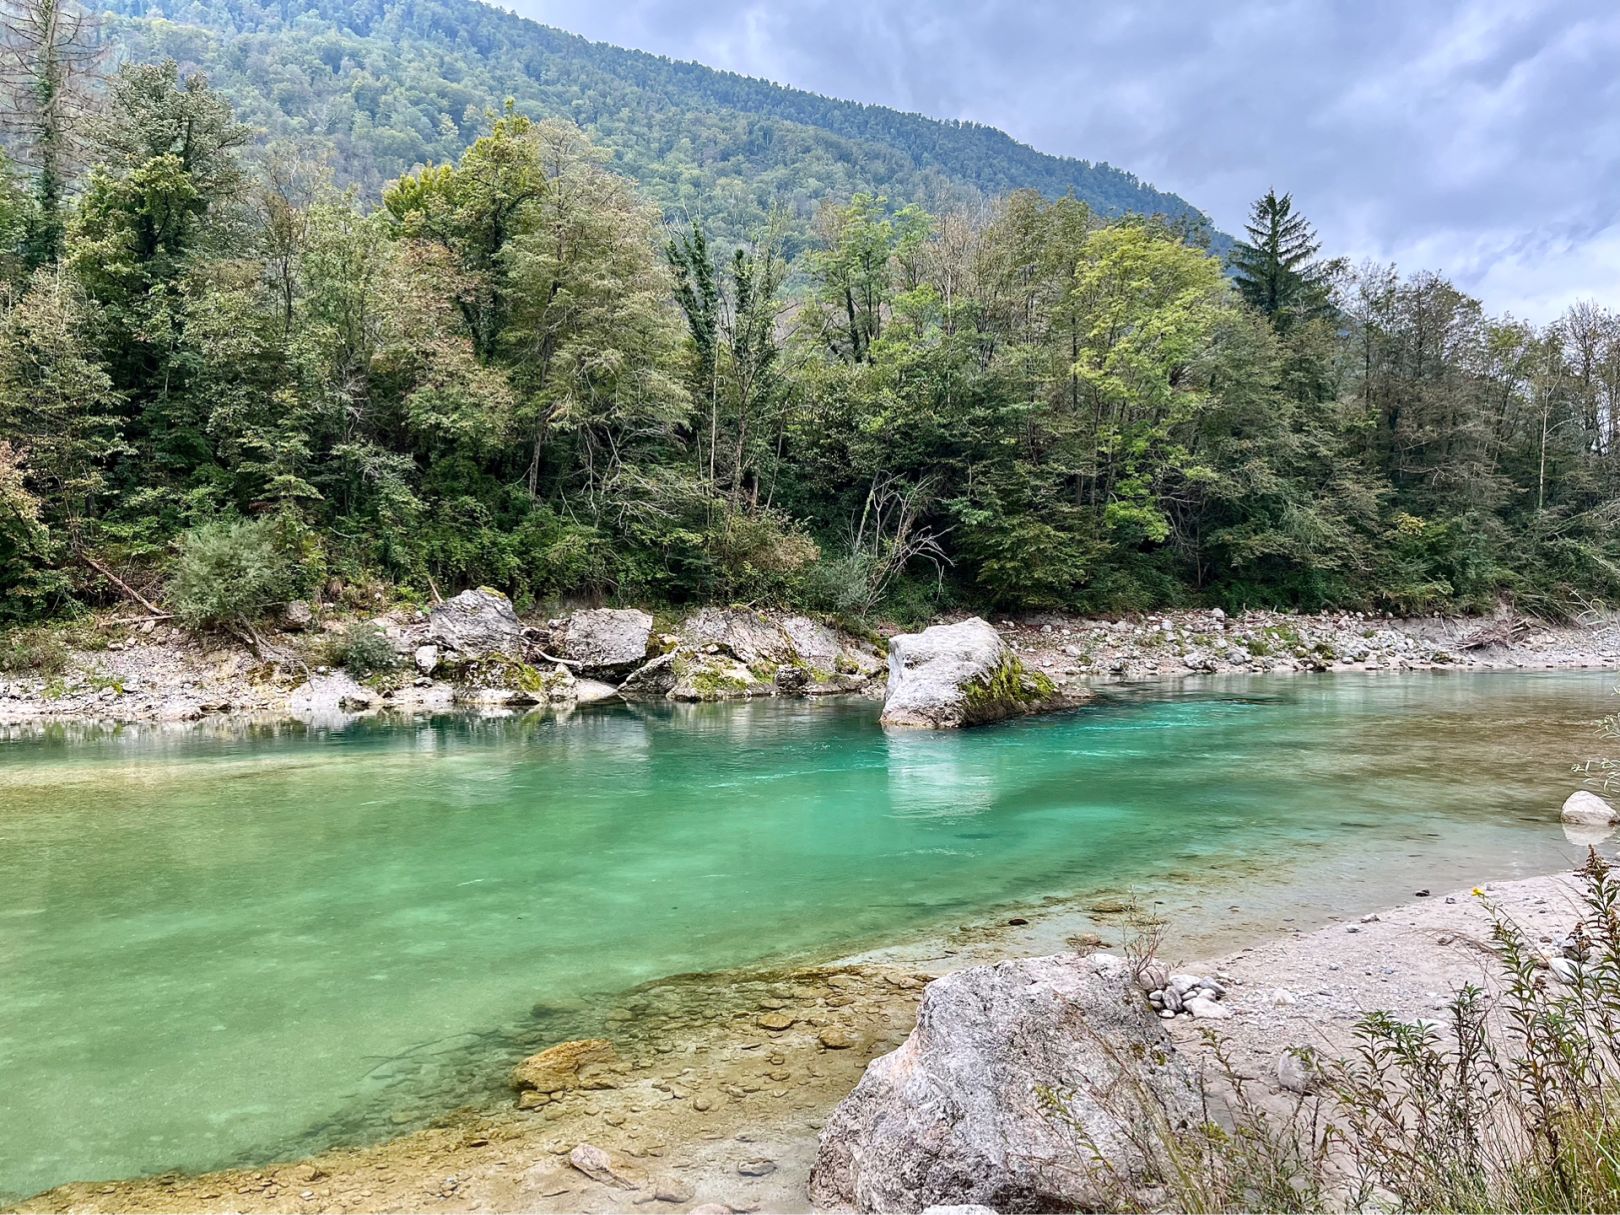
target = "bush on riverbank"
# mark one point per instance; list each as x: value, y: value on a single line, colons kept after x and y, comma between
x: 1509, y: 1104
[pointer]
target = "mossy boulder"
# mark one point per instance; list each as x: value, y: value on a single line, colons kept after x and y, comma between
x: 954, y: 675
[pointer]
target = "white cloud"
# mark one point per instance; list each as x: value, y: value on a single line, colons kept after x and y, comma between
x: 1477, y: 137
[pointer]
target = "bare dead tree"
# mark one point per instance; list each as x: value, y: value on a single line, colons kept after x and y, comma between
x: 889, y: 534
x: 50, y: 61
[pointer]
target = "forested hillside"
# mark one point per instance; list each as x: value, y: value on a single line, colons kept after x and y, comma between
x: 226, y: 382
x: 387, y: 85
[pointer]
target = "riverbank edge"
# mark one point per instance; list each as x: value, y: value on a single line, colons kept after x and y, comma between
x: 140, y: 673
x: 1301, y: 986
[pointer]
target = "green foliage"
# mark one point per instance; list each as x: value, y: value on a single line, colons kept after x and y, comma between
x: 386, y: 87
x: 510, y: 374
x: 231, y: 572
x: 364, y: 651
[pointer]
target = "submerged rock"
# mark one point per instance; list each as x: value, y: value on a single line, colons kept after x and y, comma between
x: 1012, y: 1070
x: 607, y: 641
x: 477, y: 624
x: 953, y: 675
x: 1586, y: 809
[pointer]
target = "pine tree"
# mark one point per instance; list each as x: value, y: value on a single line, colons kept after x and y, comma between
x: 1275, y: 268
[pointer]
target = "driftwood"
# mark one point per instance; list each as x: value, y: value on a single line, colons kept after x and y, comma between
x: 1504, y: 630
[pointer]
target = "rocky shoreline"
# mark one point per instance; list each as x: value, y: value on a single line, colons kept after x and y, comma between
x: 151, y: 671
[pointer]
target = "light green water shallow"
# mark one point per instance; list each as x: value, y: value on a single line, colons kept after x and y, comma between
x: 208, y: 936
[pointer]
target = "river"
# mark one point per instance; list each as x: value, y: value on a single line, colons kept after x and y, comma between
x: 218, y: 941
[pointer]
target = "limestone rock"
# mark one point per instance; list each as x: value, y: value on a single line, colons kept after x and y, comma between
x: 426, y: 658
x: 1586, y: 809
x: 652, y: 681
x: 954, y: 1117
x: 593, y: 691
x: 564, y: 1066
x: 606, y: 642
x: 953, y: 675
x: 813, y: 642
x: 296, y: 616
x: 715, y: 677
x: 749, y: 637
x: 477, y: 624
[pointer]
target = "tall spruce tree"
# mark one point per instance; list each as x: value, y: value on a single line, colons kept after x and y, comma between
x: 1275, y: 268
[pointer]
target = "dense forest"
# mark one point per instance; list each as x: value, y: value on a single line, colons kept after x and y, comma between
x: 227, y: 380
x: 382, y: 86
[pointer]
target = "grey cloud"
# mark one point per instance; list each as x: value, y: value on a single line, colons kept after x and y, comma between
x: 1480, y: 138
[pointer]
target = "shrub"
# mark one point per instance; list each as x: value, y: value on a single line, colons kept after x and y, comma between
x: 364, y: 651
x: 230, y: 572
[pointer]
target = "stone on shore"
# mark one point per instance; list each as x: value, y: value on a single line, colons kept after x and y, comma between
x: 1586, y: 809
x: 565, y: 1066
x: 953, y: 675
x: 477, y: 624
x: 606, y: 642
x: 955, y: 1115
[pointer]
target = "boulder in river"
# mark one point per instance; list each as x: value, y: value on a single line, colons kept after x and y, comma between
x: 1015, y: 1074
x: 962, y: 674
x: 477, y: 624
x: 606, y: 642
x: 1586, y: 809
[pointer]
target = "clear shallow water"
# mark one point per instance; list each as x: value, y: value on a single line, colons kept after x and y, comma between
x: 212, y: 939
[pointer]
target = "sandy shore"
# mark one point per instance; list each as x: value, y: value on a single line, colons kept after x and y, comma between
x: 714, y: 1108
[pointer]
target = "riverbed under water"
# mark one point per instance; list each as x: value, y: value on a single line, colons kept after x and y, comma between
x: 213, y: 938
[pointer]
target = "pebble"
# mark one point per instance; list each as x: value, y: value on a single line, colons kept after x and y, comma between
x: 757, y: 1168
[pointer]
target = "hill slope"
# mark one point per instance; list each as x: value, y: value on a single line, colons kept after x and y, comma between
x: 389, y: 84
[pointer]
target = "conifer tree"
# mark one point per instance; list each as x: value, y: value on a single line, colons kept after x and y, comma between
x: 1275, y: 268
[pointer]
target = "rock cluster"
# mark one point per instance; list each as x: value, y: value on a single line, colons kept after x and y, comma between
x: 1013, y: 1074
x: 1176, y: 995
x: 1261, y: 642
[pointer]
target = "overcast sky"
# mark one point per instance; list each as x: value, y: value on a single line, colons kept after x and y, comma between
x: 1476, y: 137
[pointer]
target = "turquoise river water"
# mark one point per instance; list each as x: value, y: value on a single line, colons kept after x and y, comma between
x: 210, y: 935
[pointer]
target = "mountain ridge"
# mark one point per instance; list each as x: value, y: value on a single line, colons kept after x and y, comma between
x: 391, y: 84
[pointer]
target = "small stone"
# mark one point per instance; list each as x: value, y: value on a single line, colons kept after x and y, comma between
x: 776, y: 1022
x: 1292, y: 1074
x: 757, y: 1168
x: 702, y: 1104
x: 593, y: 1162
x: 1205, y: 1009
x: 834, y: 1038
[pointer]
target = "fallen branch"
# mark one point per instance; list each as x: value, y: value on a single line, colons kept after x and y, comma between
x: 128, y: 590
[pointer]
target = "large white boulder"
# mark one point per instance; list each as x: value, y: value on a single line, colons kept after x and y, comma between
x: 477, y: 624
x: 952, y: 675
x: 607, y: 641
x: 1586, y: 809
x: 1014, y: 1074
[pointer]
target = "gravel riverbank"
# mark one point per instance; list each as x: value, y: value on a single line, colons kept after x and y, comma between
x: 155, y: 672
